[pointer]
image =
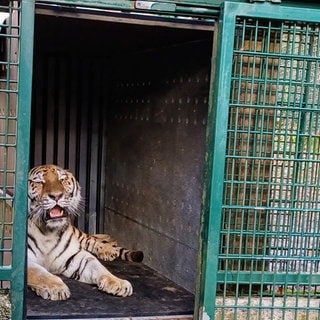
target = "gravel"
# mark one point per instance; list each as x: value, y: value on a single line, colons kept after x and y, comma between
x: 5, y: 305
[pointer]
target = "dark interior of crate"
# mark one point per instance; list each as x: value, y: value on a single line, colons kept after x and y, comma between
x: 124, y: 107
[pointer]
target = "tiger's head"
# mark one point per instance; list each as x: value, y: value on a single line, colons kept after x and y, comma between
x: 53, y: 196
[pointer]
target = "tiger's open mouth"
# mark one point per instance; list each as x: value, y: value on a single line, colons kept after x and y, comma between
x: 56, y: 213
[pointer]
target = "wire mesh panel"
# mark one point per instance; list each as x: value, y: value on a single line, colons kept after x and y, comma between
x: 15, y: 80
x: 270, y: 232
x: 8, y: 88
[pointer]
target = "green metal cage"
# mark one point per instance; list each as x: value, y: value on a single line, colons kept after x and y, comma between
x: 260, y: 238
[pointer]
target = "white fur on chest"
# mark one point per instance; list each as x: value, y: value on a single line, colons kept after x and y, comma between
x: 52, y: 249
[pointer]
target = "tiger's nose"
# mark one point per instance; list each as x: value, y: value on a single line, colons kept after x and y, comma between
x: 55, y: 196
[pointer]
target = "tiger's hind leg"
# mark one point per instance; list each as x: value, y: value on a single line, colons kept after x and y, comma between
x: 86, y: 268
x: 45, y: 284
x: 107, y: 249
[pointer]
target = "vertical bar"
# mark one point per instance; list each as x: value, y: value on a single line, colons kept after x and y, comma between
x: 22, y: 161
x: 215, y: 162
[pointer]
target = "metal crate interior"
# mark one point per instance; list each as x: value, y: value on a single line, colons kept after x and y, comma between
x: 124, y: 106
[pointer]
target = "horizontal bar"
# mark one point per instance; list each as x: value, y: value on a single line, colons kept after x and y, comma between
x: 154, y: 19
x: 6, y: 273
x: 271, y: 258
x: 273, y: 209
x: 259, y: 277
x: 267, y: 10
x: 277, y: 107
x: 277, y: 55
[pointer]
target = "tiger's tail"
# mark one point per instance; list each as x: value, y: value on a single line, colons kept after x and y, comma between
x: 130, y: 255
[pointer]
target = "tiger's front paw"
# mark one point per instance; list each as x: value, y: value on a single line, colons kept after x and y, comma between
x: 115, y: 286
x: 52, y: 289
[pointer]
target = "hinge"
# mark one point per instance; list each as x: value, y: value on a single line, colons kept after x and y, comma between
x: 153, y: 5
x: 174, y: 7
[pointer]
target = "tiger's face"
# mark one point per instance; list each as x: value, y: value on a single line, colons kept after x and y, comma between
x: 53, y: 196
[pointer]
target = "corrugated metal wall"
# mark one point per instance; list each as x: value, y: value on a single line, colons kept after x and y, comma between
x: 156, y: 134
x: 68, y: 127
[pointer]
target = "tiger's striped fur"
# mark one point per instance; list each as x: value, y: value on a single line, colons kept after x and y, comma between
x: 56, y: 247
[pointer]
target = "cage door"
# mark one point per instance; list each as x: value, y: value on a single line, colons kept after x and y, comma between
x: 262, y: 222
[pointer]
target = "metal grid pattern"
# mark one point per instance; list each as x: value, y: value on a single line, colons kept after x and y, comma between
x: 270, y: 231
x: 9, y: 38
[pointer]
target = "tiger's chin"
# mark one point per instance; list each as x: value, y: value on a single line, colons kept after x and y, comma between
x: 57, y: 223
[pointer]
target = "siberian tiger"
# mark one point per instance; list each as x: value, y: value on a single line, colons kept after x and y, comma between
x: 56, y: 247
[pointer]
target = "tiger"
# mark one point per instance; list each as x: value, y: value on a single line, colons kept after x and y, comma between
x: 56, y: 247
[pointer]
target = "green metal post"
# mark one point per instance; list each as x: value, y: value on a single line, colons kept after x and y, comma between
x: 215, y: 163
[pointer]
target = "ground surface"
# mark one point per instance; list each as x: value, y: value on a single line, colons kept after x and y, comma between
x: 5, y: 307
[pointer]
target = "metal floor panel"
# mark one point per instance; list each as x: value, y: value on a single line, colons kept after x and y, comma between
x: 154, y: 297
